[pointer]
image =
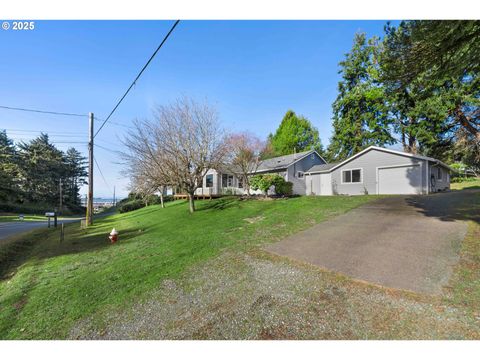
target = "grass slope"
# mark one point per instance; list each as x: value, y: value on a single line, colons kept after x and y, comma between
x: 52, y: 285
x: 14, y: 218
x: 475, y: 184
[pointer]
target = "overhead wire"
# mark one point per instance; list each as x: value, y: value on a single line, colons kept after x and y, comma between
x: 138, y: 76
x: 101, y: 173
x: 42, y: 111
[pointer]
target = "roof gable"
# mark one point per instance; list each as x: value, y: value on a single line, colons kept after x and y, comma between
x: 282, y: 162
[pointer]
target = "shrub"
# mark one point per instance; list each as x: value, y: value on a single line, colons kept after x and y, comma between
x: 264, y: 182
x: 459, y: 179
x: 284, y: 188
x: 130, y: 206
x: 136, y: 202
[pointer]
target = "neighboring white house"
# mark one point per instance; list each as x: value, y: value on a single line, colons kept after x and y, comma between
x: 374, y: 170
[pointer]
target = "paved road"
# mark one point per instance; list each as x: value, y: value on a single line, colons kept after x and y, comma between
x: 404, y: 242
x: 8, y: 229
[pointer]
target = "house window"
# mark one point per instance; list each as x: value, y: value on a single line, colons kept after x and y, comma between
x: 209, y: 181
x: 227, y: 180
x: 299, y: 174
x: 312, y: 156
x: 240, y: 183
x: 352, y: 176
x: 439, y: 174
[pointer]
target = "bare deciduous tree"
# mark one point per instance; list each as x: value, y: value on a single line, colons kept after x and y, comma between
x: 178, y: 146
x: 243, y: 159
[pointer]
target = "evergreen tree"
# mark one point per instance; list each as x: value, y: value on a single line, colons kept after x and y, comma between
x: 9, y: 190
x: 41, y: 167
x: 361, y: 115
x: 75, y: 175
x: 294, y: 134
x: 430, y: 103
x: 442, y: 48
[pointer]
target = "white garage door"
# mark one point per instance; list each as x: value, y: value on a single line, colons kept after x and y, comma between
x: 400, y: 180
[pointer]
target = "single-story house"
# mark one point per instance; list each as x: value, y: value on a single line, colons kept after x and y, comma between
x: 292, y: 167
x: 374, y: 170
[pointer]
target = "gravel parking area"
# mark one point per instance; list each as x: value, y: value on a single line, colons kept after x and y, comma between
x: 262, y: 296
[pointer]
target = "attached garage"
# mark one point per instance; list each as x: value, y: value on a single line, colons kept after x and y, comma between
x: 406, y: 179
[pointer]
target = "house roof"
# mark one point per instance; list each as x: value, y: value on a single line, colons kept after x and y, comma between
x: 282, y: 162
x: 322, y: 168
x: 337, y: 165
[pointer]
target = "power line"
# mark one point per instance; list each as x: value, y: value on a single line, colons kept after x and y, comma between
x: 40, y: 131
x: 100, y: 171
x: 109, y: 142
x: 52, y: 141
x: 47, y: 133
x: 122, y: 125
x: 41, y: 111
x: 138, y: 76
x: 115, y: 123
x: 107, y: 149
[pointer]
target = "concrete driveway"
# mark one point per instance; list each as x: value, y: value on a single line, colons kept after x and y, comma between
x: 403, y: 242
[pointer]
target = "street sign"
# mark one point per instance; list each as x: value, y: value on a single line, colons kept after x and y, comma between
x: 49, y: 214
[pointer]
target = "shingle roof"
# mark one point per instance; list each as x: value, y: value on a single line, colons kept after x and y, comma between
x: 280, y: 162
x: 323, y: 167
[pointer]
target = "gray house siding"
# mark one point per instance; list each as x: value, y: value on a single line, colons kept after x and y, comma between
x: 441, y: 176
x: 368, y: 163
x: 303, y: 165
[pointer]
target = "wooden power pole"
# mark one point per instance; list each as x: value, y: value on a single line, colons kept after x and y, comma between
x: 61, y: 200
x: 89, y: 219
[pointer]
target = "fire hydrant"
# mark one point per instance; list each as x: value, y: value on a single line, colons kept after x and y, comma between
x: 113, y: 236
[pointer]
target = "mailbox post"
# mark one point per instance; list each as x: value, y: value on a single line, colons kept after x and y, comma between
x: 50, y: 215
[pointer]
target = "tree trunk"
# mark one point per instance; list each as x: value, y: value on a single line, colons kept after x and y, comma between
x: 412, y: 139
x: 404, y: 142
x: 247, y: 185
x: 161, y: 200
x: 191, y: 202
x: 412, y: 144
x: 465, y: 122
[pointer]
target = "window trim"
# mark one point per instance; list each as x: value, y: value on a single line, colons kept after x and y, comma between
x: 206, y: 181
x: 439, y: 174
x: 227, y: 177
x: 351, y: 177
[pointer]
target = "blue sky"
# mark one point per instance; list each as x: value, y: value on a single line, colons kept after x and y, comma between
x: 251, y: 71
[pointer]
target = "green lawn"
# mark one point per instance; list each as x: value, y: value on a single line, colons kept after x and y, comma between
x: 10, y: 218
x: 14, y: 217
x: 466, y: 184
x: 47, y: 286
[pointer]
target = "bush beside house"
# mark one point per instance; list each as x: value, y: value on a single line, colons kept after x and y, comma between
x: 264, y: 182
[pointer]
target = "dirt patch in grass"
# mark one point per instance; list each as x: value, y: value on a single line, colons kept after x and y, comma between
x: 259, y: 296
x: 255, y: 219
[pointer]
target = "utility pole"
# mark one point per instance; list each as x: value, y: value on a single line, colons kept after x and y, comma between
x: 89, y: 218
x: 60, y: 188
x: 113, y: 195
